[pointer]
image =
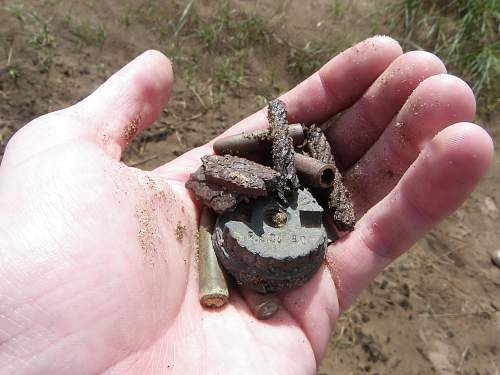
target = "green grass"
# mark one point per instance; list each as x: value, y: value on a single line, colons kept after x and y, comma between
x: 126, y: 17
x: 42, y: 36
x: 37, y: 32
x: 38, y: 29
x: 18, y: 11
x: 13, y: 72
x: 303, y: 61
x: 464, y: 33
x: 339, y: 8
x: 85, y: 32
x: 229, y: 76
x: 229, y: 29
x: 231, y: 37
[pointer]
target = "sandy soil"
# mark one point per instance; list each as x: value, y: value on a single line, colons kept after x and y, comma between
x: 435, y: 311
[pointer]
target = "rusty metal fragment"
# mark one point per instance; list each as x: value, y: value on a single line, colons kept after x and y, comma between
x: 282, y: 148
x: 313, y: 172
x: 340, y: 205
x: 269, y: 255
x: 212, y: 195
x: 337, y: 198
x: 318, y: 146
x: 240, y: 175
x: 263, y: 306
x: 259, y: 141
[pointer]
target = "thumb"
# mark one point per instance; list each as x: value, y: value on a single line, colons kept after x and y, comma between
x: 110, y: 117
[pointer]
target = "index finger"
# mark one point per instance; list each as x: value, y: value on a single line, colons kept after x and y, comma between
x: 333, y: 88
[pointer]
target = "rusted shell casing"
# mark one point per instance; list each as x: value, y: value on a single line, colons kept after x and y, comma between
x: 259, y: 141
x: 313, y: 172
x: 213, y: 290
x: 263, y: 306
x: 495, y: 258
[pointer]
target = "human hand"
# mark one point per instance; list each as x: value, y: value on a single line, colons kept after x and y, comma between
x: 93, y: 278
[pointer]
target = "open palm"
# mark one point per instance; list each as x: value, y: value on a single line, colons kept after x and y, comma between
x: 95, y: 279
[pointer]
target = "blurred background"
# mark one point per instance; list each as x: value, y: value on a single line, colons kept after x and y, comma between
x: 436, y: 310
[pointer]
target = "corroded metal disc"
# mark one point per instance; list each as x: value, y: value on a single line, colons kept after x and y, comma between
x: 267, y: 247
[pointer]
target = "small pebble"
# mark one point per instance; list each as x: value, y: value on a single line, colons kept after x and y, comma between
x: 495, y: 258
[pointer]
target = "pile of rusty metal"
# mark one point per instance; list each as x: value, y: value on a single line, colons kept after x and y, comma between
x: 272, y: 190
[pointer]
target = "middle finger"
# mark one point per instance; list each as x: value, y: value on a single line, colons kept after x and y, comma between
x: 363, y: 123
x: 437, y: 102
